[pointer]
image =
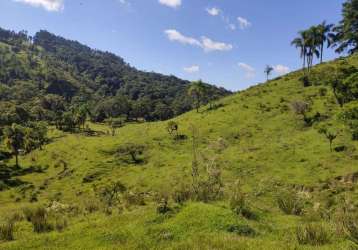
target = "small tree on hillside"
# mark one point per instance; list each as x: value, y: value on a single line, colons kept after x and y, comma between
x: 14, y: 138
x: 330, y: 134
x: 197, y: 91
x: 172, y: 128
x: 268, y: 71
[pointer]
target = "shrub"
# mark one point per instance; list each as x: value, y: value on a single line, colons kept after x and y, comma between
x: 131, y: 150
x: 312, y: 234
x: 7, y: 231
x: 61, y: 224
x: 238, y: 203
x: 305, y: 81
x: 172, y: 128
x: 182, y: 194
x: 290, y: 203
x: 163, y: 206
x: 91, y: 206
x: 242, y: 230
x: 133, y: 198
x: 322, y: 91
x: 109, y: 194
x: 39, y: 219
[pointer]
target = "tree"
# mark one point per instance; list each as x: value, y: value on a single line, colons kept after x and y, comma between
x: 330, y: 134
x: 324, y: 36
x: 346, y: 37
x: 14, y: 139
x: 301, y: 43
x: 196, y: 91
x: 268, y: 71
x: 110, y: 194
x: 172, y: 128
x: 115, y: 123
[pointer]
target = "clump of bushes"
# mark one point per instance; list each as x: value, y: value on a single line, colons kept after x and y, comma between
x: 133, y: 199
x: 238, y: 203
x: 131, y: 153
x: 314, y: 234
x: 39, y: 219
x: 163, y: 206
x: 7, y: 231
x: 290, y: 203
x: 182, y: 194
x: 242, y: 230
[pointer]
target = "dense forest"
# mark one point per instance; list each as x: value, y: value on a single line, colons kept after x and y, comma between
x: 49, y: 78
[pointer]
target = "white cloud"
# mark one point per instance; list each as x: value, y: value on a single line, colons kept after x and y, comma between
x: 206, y: 43
x: 125, y: 2
x: 281, y: 69
x: 213, y: 11
x: 192, y: 69
x: 249, y: 70
x: 244, y: 23
x: 232, y: 26
x: 210, y: 45
x: 49, y: 5
x: 171, y: 3
x: 174, y: 35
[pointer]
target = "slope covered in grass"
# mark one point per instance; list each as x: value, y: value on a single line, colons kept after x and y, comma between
x: 253, y: 136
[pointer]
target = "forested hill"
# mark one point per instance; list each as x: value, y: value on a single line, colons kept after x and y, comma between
x: 47, y: 73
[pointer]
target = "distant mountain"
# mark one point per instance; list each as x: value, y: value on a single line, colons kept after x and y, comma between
x: 40, y: 69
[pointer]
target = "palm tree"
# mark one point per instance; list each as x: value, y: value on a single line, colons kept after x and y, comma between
x: 268, y: 71
x: 300, y: 43
x: 313, y: 42
x: 325, y: 35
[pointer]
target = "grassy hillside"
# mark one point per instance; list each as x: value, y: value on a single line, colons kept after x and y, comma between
x: 253, y: 137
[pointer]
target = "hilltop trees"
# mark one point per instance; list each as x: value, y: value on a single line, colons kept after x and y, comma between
x: 311, y: 43
x: 347, y: 30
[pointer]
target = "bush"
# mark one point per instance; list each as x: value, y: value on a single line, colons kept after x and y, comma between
x: 133, y: 198
x: 61, y: 224
x: 131, y: 153
x: 312, y: 234
x: 242, y: 230
x: 182, y: 194
x: 238, y: 203
x: 7, y: 231
x: 290, y: 203
x: 91, y: 206
x: 39, y: 219
x: 163, y: 206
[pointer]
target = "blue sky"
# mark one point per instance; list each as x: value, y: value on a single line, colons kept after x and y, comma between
x: 224, y: 42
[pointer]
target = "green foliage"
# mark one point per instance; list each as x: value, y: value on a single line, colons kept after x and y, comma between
x: 39, y: 218
x: 290, y: 203
x: 347, y: 29
x: 7, y: 231
x: 313, y: 234
x: 110, y: 193
x: 131, y: 150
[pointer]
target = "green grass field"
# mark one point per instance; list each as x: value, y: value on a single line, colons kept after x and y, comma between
x: 253, y: 136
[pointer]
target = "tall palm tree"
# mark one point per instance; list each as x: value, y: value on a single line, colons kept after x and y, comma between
x: 268, y: 71
x: 325, y: 35
x: 313, y: 42
x: 300, y: 43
